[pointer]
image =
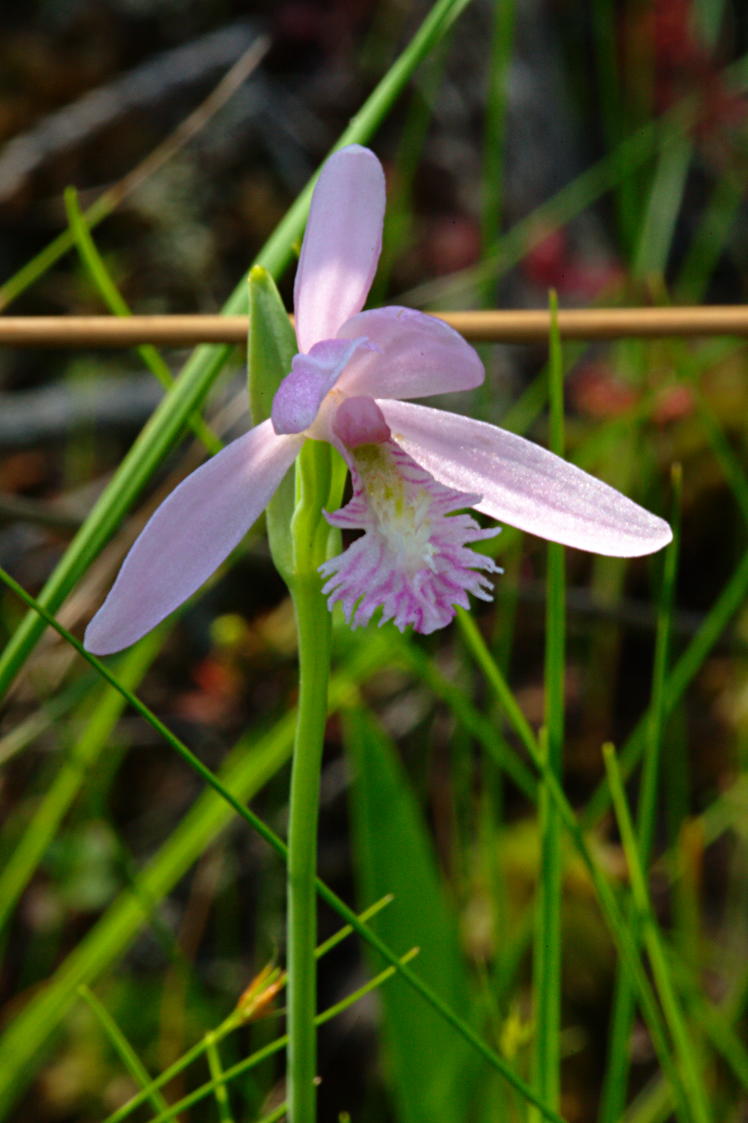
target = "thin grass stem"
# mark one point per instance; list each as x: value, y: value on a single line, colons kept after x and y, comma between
x: 547, y: 944
x: 220, y: 1091
x: 627, y: 947
x: 104, y: 284
x: 727, y: 604
x: 274, y: 1047
x: 124, y: 1049
x: 494, y: 133
x: 688, y: 1056
x: 237, y: 1018
x: 613, y: 1095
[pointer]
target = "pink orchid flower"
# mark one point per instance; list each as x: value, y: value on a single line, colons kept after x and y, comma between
x: 411, y: 466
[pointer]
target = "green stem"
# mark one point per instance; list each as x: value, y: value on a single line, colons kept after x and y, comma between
x: 313, y: 623
x: 310, y: 535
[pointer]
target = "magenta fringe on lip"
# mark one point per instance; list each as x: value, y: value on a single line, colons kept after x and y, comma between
x: 412, y: 560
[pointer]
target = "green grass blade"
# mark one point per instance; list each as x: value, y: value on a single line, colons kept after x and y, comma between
x: 727, y: 604
x: 688, y: 1055
x: 709, y: 15
x: 615, y: 119
x: 248, y: 1063
x: 710, y: 238
x: 46, y: 820
x: 104, y: 284
x: 547, y: 944
x: 613, y: 1095
x: 665, y: 198
x: 130, y: 1059
x: 484, y: 660
x: 647, y: 811
x: 220, y: 1091
x: 608, y: 901
x: 474, y: 721
x: 494, y: 132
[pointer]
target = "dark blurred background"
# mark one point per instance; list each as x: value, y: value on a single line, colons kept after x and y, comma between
x: 87, y: 89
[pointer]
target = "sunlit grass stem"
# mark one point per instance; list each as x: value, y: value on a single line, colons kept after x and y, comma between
x: 103, y: 282
x: 547, y: 950
x: 690, y: 1062
x: 606, y: 896
x: 615, y: 1081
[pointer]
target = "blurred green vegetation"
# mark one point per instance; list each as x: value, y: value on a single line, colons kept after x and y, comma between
x: 597, y: 150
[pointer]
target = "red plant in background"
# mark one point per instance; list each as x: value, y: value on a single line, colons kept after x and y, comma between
x: 553, y: 263
x: 597, y: 391
x: 683, y: 64
x: 452, y: 242
x: 677, y: 51
x: 673, y: 403
x: 218, y: 687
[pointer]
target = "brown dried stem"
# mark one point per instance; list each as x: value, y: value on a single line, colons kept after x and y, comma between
x: 499, y: 326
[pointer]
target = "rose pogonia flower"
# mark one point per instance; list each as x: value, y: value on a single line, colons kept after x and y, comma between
x: 412, y: 467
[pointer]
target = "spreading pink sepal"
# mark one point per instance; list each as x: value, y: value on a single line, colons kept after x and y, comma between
x: 189, y: 536
x: 414, y: 356
x: 341, y: 246
x: 524, y: 485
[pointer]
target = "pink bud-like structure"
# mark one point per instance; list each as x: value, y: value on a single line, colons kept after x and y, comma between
x: 412, y: 467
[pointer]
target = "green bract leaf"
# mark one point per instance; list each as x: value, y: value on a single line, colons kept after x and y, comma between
x: 271, y: 347
x: 271, y: 343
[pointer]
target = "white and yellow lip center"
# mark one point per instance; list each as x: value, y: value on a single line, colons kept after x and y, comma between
x: 401, y: 510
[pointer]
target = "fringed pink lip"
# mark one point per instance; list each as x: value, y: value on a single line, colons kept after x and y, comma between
x: 412, y: 560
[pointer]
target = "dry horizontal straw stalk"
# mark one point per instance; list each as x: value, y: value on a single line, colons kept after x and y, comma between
x: 497, y: 326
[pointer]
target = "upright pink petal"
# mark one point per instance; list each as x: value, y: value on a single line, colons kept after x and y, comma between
x: 190, y: 534
x: 341, y: 246
x: 413, y: 356
x: 524, y: 485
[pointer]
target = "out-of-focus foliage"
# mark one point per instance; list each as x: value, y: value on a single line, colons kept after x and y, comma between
x: 596, y: 149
